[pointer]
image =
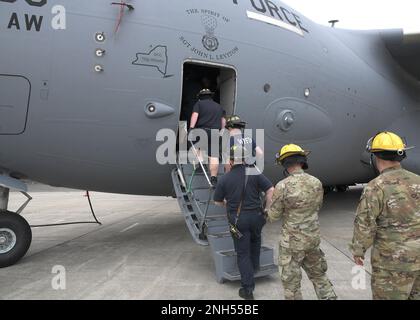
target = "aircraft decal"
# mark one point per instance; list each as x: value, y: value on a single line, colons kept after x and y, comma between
x: 34, y: 22
x: 33, y: 3
x: 157, y: 57
x: 275, y: 15
x: 210, y: 45
x: 210, y: 42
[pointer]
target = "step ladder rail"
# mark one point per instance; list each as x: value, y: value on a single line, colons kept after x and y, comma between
x: 211, y: 189
x: 199, y: 160
x: 188, y: 186
x: 181, y: 177
x: 207, y: 222
x: 187, y: 208
x: 190, y: 183
x: 203, y: 222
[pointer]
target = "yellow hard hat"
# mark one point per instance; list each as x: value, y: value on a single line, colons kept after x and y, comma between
x: 387, y: 141
x: 290, y: 150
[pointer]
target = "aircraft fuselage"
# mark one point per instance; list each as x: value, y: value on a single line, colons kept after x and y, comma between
x: 76, y: 78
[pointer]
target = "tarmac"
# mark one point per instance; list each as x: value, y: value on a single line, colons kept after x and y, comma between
x: 143, y: 250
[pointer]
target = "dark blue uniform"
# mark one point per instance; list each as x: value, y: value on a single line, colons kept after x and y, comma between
x: 244, y: 141
x: 251, y: 220
x: 210, y: 116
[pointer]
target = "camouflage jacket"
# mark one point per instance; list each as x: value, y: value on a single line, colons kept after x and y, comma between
x: 388, y: 218
x: 297, y: 201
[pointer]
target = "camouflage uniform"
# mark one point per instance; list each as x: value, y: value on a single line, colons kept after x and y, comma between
x: 297, y: 201
x: 388, y: 217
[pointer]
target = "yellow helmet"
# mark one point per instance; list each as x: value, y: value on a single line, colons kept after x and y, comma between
x: 290, y: 150
x: 387, y: 141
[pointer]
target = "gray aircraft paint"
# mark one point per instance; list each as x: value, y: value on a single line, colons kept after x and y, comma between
x: 75, y: 127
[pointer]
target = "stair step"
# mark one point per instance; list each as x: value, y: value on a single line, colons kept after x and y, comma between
x: 203, y: 196
x: 225, y: 234
x: 215, y: 214
x: 198, y: 205
x: 219, y: 217
x: 230, y: 253
x: 265, y: 270
x: 220, y: 242
x: 188, y: 211
x: 217, y: 229
x: 227, y: 265
x: 217, y: 223
x: 188, y: 169
x: 212, y: 210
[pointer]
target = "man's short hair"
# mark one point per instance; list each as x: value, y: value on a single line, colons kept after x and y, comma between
x: 391, y: 156
x: 296, y: 159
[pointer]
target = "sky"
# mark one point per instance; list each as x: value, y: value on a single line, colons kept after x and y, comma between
x: 362, y: 14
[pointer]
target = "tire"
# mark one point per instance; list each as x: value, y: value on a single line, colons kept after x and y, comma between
x: 328, y: 190
x: 342, y: 189
x: 15, y: 238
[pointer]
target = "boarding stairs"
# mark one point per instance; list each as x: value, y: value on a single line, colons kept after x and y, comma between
x: 208, y: 223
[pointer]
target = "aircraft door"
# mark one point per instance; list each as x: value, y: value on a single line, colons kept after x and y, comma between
x: 219, y: 79
x: 227, y: 85
x: 199, y: 75
x: 14, y: 104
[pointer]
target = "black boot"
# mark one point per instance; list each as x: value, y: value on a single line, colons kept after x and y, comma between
x: 246, y: 294
x: 213, y: 181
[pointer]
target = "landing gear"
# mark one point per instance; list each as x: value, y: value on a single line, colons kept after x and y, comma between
x: 15, y: 232
x: 338, y: 189
x: 342, y: 189
x: 15, y: 238
x: 328, y: 189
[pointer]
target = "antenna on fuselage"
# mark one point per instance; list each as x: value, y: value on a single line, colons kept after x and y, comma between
x: 333, y: 22
x: 122, y: 4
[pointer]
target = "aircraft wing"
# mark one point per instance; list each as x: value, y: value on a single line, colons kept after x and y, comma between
x: 405, y: 48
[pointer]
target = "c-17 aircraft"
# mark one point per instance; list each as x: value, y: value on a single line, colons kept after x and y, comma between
x: 85, y: 86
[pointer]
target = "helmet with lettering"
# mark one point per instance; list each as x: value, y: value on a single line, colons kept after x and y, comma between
x: 235, y: 121
x: 205, y: 92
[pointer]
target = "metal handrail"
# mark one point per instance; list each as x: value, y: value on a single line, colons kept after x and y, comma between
x: 203, y: 221
x: 199, y: 161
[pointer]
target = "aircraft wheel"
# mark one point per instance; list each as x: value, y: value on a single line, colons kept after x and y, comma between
x: 15, y: 238
x: 342, y: 189
x: 328, y: 190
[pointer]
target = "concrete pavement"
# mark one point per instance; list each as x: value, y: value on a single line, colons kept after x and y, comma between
x: 143, y: 250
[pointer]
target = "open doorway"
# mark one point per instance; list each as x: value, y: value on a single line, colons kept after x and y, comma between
x: 197, y: 76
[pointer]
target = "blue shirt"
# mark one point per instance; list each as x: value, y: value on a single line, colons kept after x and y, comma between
x: 231, y: 187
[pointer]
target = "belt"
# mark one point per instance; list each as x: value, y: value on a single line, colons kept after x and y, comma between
x: 255, y: 210
x: 207, y: 128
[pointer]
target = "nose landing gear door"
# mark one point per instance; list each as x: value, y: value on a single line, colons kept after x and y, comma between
x: 14, y: 104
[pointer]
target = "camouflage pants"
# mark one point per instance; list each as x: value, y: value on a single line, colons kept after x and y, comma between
x: 314, y: 263
x: 394, y: 285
